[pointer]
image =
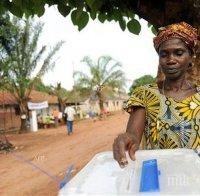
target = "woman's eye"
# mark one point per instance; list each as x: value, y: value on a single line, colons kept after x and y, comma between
x: 179, y: 52
x: 163, y: 54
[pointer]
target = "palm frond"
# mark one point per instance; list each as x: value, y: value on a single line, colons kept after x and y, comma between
x: 47, y: 64
x: 102, y: 79
x: 116, y: 65
x: 114, y: 76
x: 80, y: 74
x: 88, y: 61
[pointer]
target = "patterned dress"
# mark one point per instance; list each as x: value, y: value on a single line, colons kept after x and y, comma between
x: 169, y: 123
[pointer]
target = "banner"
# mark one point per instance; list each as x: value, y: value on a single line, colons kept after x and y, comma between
x: 37, y: 106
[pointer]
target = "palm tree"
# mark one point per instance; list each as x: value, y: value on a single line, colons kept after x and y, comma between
x: 22, y: 64
x: 62, y: 95
x: 104, y: 77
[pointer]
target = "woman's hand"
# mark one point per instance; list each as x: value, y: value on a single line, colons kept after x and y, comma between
x: 124, y: 142
x: 130, y: 140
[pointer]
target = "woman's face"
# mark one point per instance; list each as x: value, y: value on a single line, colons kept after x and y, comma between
x: 174, y: 58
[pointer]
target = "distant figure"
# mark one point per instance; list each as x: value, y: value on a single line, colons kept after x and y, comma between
x: 92, y: 115
x: 69, y: 114
x: 80, y: 112
x: 55, y: 115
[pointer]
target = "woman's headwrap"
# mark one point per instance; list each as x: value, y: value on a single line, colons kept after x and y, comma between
x: 181, y: 30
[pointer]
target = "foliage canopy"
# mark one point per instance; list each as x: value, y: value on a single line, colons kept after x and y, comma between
x: 146, y: 79
x: 156, y: 12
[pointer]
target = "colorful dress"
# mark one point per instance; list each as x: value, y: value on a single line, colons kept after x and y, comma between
x: 169, y: 123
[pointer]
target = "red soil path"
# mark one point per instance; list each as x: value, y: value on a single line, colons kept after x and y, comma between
x: 53, y: 151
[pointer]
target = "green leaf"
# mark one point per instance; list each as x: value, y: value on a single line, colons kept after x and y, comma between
x: 38, y: 2
x: 36, y: 7
x: 50, y: 2
x: 40, y: 10
x: 109, y: 16
x: 79, y: 18
x: 102, y: 17
x: 4, y: 5
x: 73, y: 17
x: 131, y: 14
x: 83, y: 20
x: 64, y: 9
x: 93, y: 15
x: 17, y: 2
x: 79, y: 3
x: 90, y: 3
x: 122, y: 24
x: 94, y: 4
x: 154, y: 30
x: 134, y: 26
x: 15, y: 10
x: 2, y: 9
x: 149, y: 24
x: 72, y: 3
x: 117, y: 15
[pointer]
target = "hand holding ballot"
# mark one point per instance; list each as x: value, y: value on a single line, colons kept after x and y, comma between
x: 124, y: 142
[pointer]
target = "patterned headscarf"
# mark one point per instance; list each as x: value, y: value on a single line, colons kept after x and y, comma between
x: 181, y: 30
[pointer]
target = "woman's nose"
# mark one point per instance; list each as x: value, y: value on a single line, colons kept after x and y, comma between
x: 171, y: 60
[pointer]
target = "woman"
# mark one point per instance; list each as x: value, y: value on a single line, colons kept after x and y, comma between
x: 167, y: 112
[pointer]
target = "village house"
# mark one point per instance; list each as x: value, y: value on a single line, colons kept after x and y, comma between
x: 10, y: 116
x: 111, y: 104
x: 9, y: 109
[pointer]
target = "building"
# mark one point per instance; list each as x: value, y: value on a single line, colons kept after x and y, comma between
x: 111, y: 104
x: 9, y: 108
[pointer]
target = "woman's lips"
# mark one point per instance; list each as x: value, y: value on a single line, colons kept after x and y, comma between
x: 171, y: 71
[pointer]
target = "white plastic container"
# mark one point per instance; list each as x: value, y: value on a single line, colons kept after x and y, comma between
x: 179, y: 174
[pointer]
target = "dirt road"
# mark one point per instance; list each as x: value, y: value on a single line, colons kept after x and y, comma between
x: 54, y: 151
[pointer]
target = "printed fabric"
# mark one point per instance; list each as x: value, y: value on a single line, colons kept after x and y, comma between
x: 169, y: 123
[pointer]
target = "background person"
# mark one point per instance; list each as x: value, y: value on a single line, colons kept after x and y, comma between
x: 69, y: 113
x: 55, y: 115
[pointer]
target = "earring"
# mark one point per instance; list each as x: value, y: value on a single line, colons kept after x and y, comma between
x: 190, y: 65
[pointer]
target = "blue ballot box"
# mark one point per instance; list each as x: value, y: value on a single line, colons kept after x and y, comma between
x: 155, y: 172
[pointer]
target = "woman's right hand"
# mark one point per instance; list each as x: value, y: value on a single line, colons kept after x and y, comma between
x: 124, y: 142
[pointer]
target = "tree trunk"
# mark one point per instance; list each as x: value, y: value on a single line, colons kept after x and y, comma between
x: 101, y: 105
x: 100, y: 97
x: 60, y: 106
x: 23, y: 116
x: 23, y: 126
